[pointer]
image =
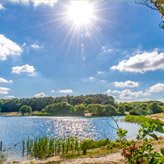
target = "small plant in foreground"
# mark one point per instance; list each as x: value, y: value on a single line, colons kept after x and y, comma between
x: 2, y: 158
x: 136, y: 153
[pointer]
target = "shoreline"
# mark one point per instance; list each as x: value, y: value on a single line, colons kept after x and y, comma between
x: 12, y: 114
x: 98, y: 157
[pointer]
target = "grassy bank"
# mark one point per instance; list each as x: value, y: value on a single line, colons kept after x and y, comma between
x: 142, y: 119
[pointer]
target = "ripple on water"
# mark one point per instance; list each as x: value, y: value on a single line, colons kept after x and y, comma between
x: 15, y: 129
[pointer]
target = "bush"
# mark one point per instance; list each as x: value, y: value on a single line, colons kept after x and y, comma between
x: 25, y: 109
x: 144, y: 153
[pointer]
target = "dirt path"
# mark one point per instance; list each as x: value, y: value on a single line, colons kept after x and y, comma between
x: 111, y: 158
x: 107, y: 159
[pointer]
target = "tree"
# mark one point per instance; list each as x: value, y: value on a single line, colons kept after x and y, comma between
x: 25, y: 109
x: 79, y: 109
x: 154, y: 5
x: 153, y: 107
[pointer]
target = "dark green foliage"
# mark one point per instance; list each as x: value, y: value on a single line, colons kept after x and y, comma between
x: 79, y: 109
x: 59, y: 108
x: 37, y: 104
x: 144, y: 108
x: 25, y: 109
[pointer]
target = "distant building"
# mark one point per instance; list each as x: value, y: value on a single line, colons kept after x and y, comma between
x: 88, y: 114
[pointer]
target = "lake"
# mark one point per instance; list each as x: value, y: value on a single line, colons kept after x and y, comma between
x: 15, y: 129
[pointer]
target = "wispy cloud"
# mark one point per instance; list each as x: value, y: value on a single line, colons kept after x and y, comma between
x: 100, y: 72
x: 102, y: 81
x: 2, y: 80
x: 35, y: 46
x: 106, y: 49
x: 147, y: 61
x: 30, y: 70
x: 9, y: 97
x: 66, y: 91
x: 40, y: 95
x: 4, y: 90
x: 36, y: 2
x: 126, y: 84
x: 91, y: 78
x: 52, y: 91
x: 128, y: 94
x: 8, y: 48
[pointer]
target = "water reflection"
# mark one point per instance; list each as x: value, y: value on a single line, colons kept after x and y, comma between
x: 15, y: 129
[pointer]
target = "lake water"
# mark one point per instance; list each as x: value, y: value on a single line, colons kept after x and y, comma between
x: 15, y: 129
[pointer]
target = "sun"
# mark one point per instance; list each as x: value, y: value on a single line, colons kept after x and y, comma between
x: 81, y: 13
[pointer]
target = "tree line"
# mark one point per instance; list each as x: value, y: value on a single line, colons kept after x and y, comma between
x: 144, y: 108
x: 98, y: 105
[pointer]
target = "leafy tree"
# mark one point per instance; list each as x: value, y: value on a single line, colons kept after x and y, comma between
x: 111, y: 110
x: 154, y: 5
x: 89, y: 100
x: 79, y: 109
x: 121, y: 109
x: 62, y: 108
x: 96, y: 109
x: 25, y: 109
x: 154, y: 107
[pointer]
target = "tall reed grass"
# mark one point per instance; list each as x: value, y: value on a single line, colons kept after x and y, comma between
x: 44, y: 147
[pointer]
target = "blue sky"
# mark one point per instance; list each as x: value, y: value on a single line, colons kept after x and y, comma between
x: 43, y: 53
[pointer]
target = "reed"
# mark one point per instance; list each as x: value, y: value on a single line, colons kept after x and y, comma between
x: 44, y: 147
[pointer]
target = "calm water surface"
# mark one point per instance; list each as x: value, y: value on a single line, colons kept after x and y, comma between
x: 15, y: 129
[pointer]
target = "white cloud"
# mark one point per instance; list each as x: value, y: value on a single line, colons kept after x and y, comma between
x: 35, y: 46
x: 9, y: 97
x: 113, y: 92
x: 8, y: 48
x: 91, y: 78
x: 107, y: 50
x: 30, y: 70
x: 36, y: 2
x: 134, y: 100
x: 52, y: 91
x: 45, y: 2
x: 1, y: 7
x: 24, y: 44
x: 100, y: 72
x: 128, y: 94
x: 2, y: 80
x: 127, y: 84
x: 116, y: 92
x: 159, y: 87
x: 40, y: 95
x: 109, y: 91
x: 4, y: 90
x: 66, y: 91
x: 147, y: 61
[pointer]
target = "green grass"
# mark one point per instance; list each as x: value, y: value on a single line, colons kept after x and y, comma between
x: 142, y: 119
x: 42, y: 114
